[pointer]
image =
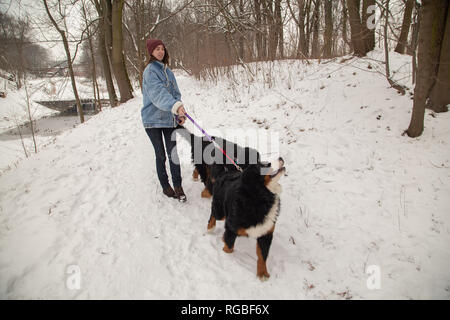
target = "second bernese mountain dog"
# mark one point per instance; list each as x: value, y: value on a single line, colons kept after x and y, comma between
x: 250, y: 204
x: 209, y: 161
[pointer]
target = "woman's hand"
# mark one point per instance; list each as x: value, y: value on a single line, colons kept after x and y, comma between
x: 181, y: 111
x: 181, y: 120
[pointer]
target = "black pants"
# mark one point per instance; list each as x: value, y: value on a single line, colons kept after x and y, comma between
x: 156, y: 137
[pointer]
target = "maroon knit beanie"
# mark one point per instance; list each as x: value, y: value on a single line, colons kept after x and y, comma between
x: 152, y: 44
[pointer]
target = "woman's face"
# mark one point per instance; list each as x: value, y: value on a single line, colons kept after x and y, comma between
x: 159, y: 52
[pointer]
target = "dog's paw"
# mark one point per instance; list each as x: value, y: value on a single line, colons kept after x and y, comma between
x: 263, y: 278
x: 206, y: 194
x: 227, y: 250
x: 211, y: 225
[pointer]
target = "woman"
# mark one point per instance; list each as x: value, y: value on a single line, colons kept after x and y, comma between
x: 160, y: 113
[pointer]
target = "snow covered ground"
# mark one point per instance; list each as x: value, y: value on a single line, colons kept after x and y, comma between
x: 86, y: 218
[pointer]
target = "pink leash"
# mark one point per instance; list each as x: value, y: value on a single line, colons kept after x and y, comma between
x: 214, y: 142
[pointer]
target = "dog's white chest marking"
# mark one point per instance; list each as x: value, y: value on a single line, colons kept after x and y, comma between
x: 274, y: 187
x: 269, y: 221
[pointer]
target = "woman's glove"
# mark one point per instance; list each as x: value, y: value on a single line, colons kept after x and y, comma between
x: 181, y: 111
x: 181, y: 118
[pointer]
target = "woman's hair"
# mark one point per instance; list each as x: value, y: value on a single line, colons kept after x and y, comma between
x: 165, y: 60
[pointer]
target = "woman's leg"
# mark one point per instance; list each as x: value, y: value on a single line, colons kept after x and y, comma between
x: 155, y: 135
x: 174, y: 161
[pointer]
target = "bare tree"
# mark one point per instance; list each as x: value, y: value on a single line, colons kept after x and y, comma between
x: 103, y: 27
x: 315, y: 52
x: 95, y: 88
x: 139, y: 17
x: 433, y: 41
x: 357, y: 31
x: 118, y: 62
x: 440, y: 93
x: 302, y: 45
x: 259, y: 36
x: 368, y: 34
x: 13, y: 45
x: 328, y: 37
x: 29, y: 115
x: 403, y: 40
x: 393, y: 83
x: 60, y: 8
x: 279, y: 28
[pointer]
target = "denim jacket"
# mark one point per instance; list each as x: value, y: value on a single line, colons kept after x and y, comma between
x: 161, y: 96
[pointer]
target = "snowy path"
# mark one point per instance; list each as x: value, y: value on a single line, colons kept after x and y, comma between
x: 357, y: 194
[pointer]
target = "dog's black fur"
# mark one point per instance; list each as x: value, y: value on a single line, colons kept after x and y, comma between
x: 208, y: 170
x: 249, y: 203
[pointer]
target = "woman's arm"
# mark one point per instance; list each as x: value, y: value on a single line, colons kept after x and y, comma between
x: 159, y: 95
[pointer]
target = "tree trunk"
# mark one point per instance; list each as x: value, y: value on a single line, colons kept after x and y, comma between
x: 29, y: 115
x: 308, y: 26
x: 386, y: 45
x: 300, y: 22
x: 394, y: 84
x: 440, y: 94
x: 369, y: 34
x: 97, y: 104
x: 241, y: 31
x: 344, y: 27
x: 357, y: 32
x: 106, y: 65
x: 259, y: 28
x: 432, y: 25
x: 138, y: 11
x: 403, y: 40
x: 69, y: 61
x: 315, y: 53
x: 279, y: 28
x: 412, y: 46
x: 272, y: 38
x: 328, y: 38
x: 302, y: 48
x: 107, y: 7
x: 118, y: 60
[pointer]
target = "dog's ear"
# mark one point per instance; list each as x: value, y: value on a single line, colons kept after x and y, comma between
x: 248, y: 156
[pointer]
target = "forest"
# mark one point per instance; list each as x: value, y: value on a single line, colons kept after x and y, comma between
x: 107, y: 38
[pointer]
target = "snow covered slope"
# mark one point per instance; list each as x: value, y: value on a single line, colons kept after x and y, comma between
x: 357, y: 195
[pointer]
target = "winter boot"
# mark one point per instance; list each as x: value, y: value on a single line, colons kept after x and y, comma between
x: 179, y: 193
x: 169, y: 192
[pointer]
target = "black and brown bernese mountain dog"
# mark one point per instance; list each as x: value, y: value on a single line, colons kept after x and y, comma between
x: 250, y: 204
x: 204, y: 154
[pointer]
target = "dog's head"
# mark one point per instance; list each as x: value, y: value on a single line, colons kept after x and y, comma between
x: 247, y: 156
x: 265, y: 173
